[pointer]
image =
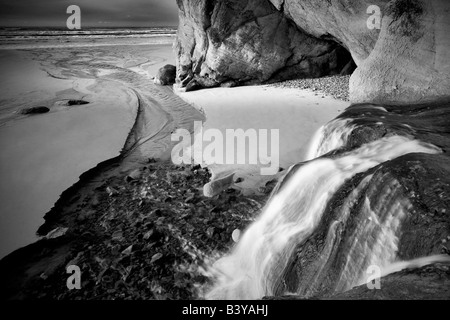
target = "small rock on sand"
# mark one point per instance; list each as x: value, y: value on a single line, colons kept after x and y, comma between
x: 34, y: 110
x: 166, y: 75
x: 56, y: 233
x: 76, y: 102
x: 133, y: 175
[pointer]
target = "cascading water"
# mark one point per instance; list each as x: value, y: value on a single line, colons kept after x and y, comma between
x: 256, y: 265
x: 374, y: 242
x: 415, y: 263
x: 329, y: 137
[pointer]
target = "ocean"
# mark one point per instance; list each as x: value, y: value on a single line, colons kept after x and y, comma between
x: 10, y: 33
x: 25, y: 38
x: 44, y: 154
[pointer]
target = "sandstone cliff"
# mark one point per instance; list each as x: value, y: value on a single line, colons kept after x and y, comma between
x: 234, y: 42
x: 244, y: 42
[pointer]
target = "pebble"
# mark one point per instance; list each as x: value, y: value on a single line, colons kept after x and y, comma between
x: 236, y: 235
x: 112, y: 192
x: 34, y: 110
x: 56, y: 233
x: 210, y: 232
x: 156, y: 257
x: 148, y: 234
x: 128, y: 250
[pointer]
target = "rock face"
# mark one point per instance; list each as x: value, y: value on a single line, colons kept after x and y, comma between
x: 429, y: 282
x: 423, y: 283
x: 247, y: 41
x: 252, y: 41
x: 77, y: 102
x: 411, y: 60
x: 166, y: 75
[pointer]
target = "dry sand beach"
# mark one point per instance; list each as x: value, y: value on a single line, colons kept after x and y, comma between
x: 42, y: 155
x: 297, y: 114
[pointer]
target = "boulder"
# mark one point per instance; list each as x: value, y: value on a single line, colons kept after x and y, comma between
x: 166, y: 75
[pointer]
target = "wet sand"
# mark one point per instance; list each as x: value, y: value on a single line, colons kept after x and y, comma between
x: 42, y: 155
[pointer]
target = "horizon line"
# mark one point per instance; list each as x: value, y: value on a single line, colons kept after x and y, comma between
x: 91, y: 26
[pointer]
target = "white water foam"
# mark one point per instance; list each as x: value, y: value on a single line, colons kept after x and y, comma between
x: 411, y: 264
x: 329, y: 137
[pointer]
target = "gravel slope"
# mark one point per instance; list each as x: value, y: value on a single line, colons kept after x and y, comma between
x: 334, y: 86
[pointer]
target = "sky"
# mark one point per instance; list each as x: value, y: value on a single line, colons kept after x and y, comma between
x: 94, y: 13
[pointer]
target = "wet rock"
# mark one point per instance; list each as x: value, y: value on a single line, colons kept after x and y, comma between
x: 128, y: 250
x: 95, y: 201
x: 429, y: 282
x: 163, y: 238
x: 117, y: 236
x: 112, y: 192
x: 190, y: 198
x: 236, y: 235
x: 56, y: 233
x: 76, y: 102
x: 193, y: 85
x: 239, y: 180
x: 133, y: 176
x: 156, y: 257
x: 148, y: 234
x: 34, y: 110
x: 166, y: 75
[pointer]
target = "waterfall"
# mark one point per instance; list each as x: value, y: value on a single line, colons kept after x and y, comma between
x: 256, y: 265
x: 331, y: 136
x: 374, y: 241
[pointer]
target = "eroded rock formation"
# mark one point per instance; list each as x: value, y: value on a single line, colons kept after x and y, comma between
x: 247, y: 41
x: 254, y: 41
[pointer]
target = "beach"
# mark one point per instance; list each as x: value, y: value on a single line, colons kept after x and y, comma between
x: 44, y: 154
x: 224, y: 150
x: 296, y: 115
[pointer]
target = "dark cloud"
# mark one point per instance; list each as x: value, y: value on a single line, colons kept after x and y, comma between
x: 98, y: 13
